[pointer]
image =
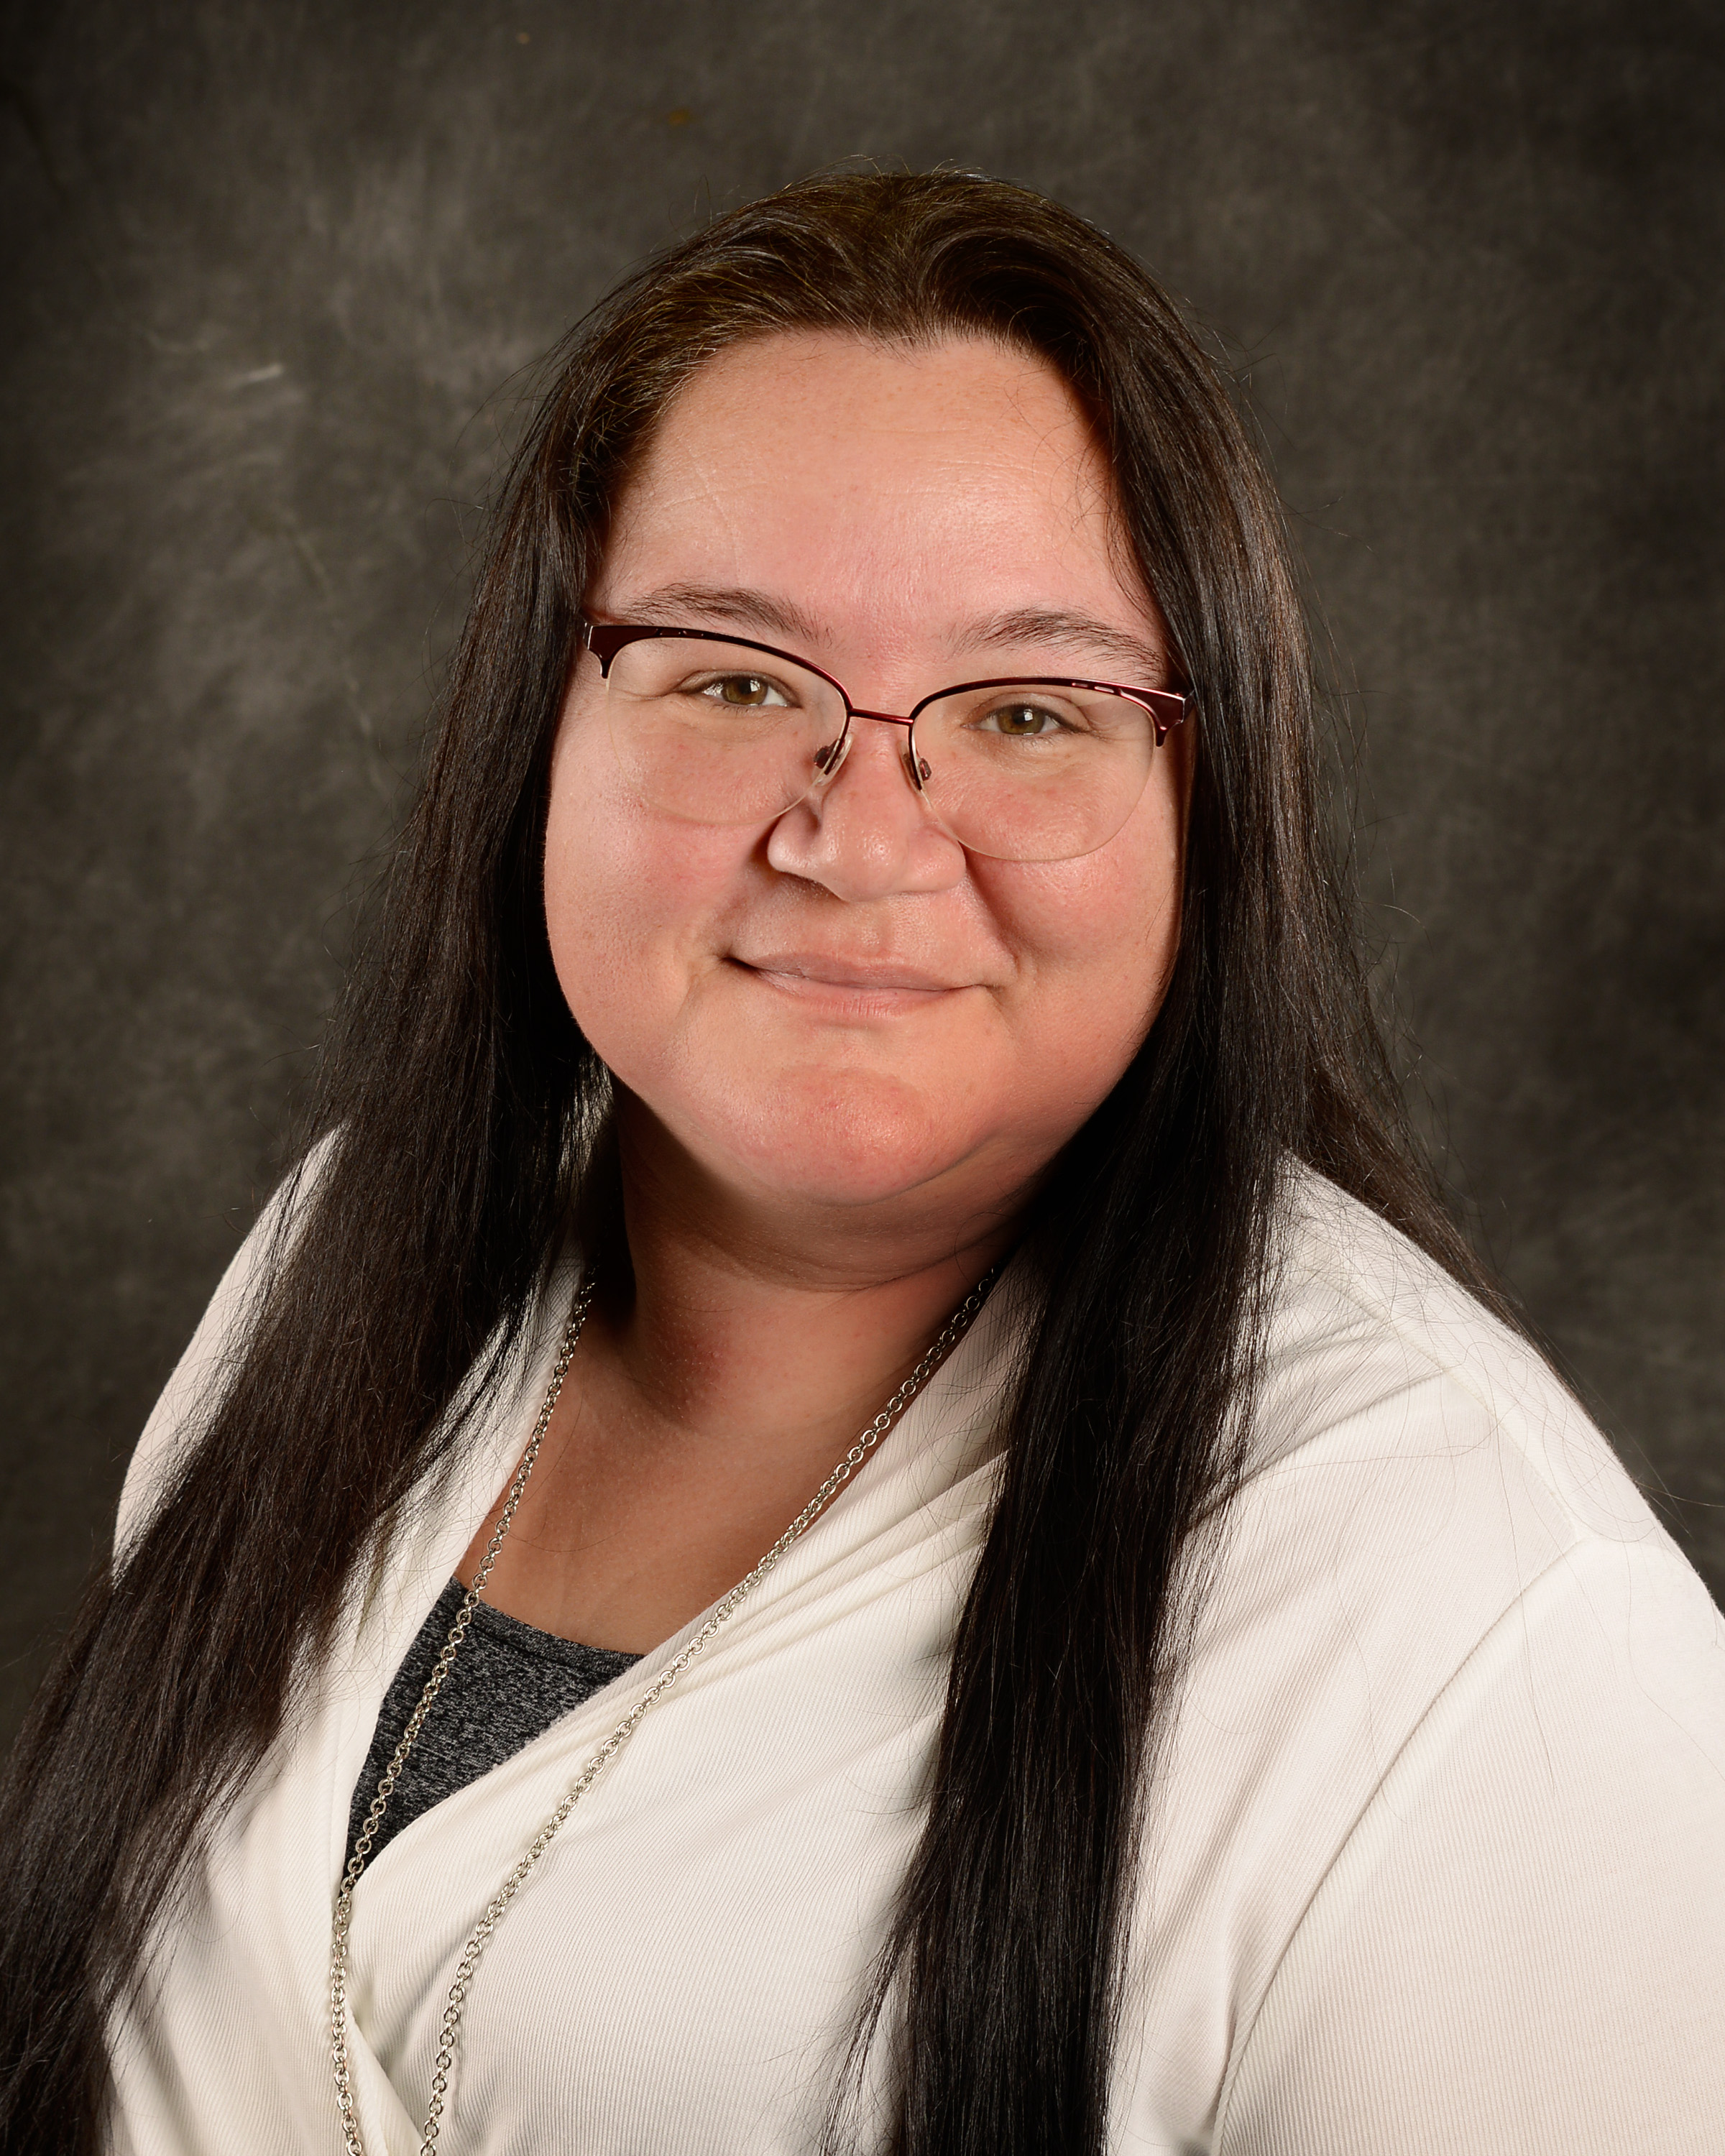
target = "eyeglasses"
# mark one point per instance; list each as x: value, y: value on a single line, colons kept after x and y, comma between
x: 720, y: 730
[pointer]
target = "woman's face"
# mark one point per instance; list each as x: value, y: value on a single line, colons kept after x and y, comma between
x: 840, y: 1006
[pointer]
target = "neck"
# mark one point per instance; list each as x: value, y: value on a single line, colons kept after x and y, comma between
x: 749, y: 1317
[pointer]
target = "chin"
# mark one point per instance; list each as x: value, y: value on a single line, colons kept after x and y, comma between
x: 847, y: 1140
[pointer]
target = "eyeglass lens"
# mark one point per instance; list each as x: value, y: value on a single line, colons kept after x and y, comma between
x: 719, y: 734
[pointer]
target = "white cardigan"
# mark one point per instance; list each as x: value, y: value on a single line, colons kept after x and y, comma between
x: 1436, y: 1860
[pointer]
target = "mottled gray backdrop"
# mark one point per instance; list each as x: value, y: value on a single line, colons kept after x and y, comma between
x: 271, y: 269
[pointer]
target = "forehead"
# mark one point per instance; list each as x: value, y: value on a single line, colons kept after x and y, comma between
x: 873, y: 486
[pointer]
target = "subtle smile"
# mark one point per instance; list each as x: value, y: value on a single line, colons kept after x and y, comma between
x: 858, y: 987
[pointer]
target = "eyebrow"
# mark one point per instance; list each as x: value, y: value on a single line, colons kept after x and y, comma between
x: 741, y: 607
x: 1068, y: 630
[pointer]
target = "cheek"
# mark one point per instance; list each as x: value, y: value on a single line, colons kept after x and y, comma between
x: 1097, y: 940
x: 625, y: 897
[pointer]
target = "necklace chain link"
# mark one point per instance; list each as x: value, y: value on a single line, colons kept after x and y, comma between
x: 456, y: 1999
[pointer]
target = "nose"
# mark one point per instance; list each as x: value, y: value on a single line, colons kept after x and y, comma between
x: 864, y: 833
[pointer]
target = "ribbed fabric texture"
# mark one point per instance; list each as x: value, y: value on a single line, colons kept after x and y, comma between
x: 507, y: 1685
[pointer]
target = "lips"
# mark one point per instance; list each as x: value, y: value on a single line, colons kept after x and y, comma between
x: 858, y: 976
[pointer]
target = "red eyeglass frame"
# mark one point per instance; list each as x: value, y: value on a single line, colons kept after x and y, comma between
x: 606, y: 638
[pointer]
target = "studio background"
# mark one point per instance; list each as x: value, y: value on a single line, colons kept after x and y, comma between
x: 272, y: 275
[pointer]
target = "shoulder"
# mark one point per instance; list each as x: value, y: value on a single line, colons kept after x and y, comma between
x: 198, y: 1379
x: 1419, y: 1474
x: 1379, y: 1366
x: 1479, y: 1698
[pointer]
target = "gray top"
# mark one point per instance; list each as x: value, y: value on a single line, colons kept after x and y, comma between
x: 507, y: 1686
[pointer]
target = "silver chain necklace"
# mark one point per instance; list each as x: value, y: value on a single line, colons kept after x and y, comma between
x: 456, y: 2000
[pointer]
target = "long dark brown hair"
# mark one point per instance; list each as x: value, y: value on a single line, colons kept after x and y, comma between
x: 456, y: 1092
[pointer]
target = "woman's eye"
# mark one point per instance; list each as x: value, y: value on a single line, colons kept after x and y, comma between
x: 750, y: 692
x: 1022, y: 722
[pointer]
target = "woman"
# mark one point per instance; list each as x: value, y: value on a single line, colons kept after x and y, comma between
x: 1227, y: 1697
